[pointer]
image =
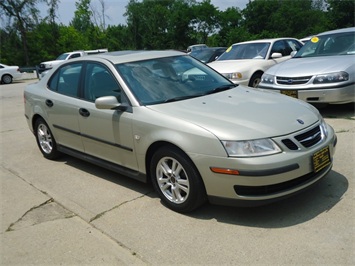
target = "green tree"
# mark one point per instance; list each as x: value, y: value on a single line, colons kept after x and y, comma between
x: 23, y: 16
x: 159, y: 24
x: 342, y: 13
x: 231, y: 28
x: 82, y: 16
x: 278, y: 18
x: 205, y: 21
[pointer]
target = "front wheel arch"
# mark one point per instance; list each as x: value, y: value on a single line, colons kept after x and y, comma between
x: 255, y: 79
x: 197, y: 193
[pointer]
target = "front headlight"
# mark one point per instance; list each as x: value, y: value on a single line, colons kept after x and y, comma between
x: 323, y: 128
x: 236, y: 75
x: 251, y: 148
x: 331, y: 77
x: 266, y: 78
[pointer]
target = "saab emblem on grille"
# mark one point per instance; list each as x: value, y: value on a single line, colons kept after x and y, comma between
x: 300, y: 121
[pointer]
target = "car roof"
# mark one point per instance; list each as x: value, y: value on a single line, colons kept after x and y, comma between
x: 265, y: 40
x: 351, y: 29
x: 135, y: 55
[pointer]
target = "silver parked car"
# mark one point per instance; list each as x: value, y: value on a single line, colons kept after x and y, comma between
x: 166, y: 117
x: 322, y: 72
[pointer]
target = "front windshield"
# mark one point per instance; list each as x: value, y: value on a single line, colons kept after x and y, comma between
x: 329, y: 45
x: 168, y: 79
x: 62, y: 56
x: 245, y: 51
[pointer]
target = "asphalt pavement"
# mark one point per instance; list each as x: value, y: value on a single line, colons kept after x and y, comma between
x: 69, y: 212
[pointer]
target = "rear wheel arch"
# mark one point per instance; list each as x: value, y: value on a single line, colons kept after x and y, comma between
x: 34, y: 120
x: 6, y: 78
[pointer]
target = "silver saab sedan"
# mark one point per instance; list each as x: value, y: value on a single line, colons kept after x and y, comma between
x: 165, y: 117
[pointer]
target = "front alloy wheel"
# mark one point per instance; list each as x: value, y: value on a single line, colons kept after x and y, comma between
x: 176, y: 180
x: 173, y: 180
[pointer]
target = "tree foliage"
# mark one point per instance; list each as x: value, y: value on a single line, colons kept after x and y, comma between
x: 27, y: 39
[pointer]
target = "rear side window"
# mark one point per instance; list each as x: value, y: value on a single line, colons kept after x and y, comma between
x: 66, y: 80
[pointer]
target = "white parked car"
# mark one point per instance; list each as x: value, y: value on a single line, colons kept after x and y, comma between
x: 245, y: 62
x: 9, y: 73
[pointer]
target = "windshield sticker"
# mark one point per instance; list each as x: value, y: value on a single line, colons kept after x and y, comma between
x: 315, y: 39
x: 229, y: 48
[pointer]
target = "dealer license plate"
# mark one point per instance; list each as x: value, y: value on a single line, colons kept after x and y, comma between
x: 321, y: 159
x: 291, y: 93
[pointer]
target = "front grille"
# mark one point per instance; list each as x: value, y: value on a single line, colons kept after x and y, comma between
x: 293, y: 81
x: 290, y: 144
x: 310, y: 138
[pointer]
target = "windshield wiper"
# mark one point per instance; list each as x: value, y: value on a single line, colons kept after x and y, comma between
x: 218, y: 89
x: 179, y: 98
x: 221, y: 88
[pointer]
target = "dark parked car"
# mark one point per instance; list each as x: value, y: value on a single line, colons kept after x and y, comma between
x: 208, y: 54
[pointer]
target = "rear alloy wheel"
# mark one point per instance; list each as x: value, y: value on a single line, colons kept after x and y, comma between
x: 6, y: 79
x: 45, y: 140
x: 176, y: 180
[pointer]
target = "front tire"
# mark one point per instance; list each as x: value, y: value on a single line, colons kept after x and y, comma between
x: 45, y: 140
x: 176, y: 180
x: 255, y: 80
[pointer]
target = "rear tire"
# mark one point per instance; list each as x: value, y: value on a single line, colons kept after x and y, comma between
x: 6, y: 79
x: 176, y: 180
x: 45, y: 140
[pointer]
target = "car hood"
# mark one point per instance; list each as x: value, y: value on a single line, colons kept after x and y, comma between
x: 230, y: 66
x: 243, y: 113
x: 312, y: 66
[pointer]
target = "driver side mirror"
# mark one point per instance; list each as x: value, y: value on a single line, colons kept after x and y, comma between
x: 276, y: 55
x: 110, y: 103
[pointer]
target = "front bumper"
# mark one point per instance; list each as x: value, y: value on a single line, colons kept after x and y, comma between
x: 263, y: 179
x: 332, y: 95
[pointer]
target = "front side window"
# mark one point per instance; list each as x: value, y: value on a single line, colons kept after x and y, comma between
x: 293, y: 45
x: 66, y: 79
x: 280, y: 47
x: 100, y: 82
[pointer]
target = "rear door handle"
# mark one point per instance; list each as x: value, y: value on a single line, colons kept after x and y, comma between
x: 49, y: 103
x: 83, y: 112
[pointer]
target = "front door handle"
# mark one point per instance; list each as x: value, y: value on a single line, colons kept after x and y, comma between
x: 49, y: 103
x: 83, y: 112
